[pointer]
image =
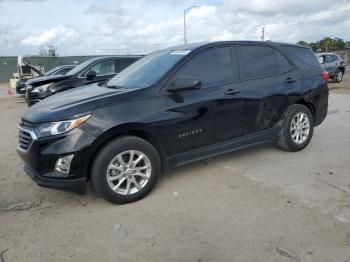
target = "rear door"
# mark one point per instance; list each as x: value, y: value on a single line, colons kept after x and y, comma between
x: 213, y: 113
x: 269, y: 82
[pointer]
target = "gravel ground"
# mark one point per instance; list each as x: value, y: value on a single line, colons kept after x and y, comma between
x: 258, y: 204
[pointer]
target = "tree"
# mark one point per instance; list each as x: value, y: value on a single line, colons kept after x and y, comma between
x: 327, y: 44
x: 47, y: 50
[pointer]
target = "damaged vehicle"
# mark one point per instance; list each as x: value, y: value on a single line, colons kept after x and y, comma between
x: 170, y: 108
x: 59, y: 70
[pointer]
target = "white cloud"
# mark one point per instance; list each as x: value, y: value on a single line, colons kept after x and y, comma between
x: 141, y: 26
x: 53, y: 35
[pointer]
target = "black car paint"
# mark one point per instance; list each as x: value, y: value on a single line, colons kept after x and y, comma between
x: 21, y: 84
x: 61, y: 83
x: 184, y: 126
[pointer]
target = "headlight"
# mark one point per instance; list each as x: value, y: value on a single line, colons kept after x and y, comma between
x: 40, y: 89
x: 55, y: 128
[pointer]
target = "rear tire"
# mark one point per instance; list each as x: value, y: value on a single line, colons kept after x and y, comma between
x: 297, y: 128
x: 338, y: 76
x: 125, y: 170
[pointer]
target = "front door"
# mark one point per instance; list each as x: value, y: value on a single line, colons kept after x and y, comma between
x: 105, y: 69
x: 211, y: 114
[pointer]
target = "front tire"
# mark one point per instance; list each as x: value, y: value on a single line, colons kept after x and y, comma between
x: 125, y: 170
x: 297, y: 128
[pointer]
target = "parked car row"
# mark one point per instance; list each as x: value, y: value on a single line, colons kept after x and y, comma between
x: 169, y: 108
x: 98, y: 69
x: 59, y: 70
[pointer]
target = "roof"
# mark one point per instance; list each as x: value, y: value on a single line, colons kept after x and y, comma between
x: 193, y: 46
x: 325, y: 53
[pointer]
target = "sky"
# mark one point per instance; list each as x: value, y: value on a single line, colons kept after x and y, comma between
x: 93, y: 27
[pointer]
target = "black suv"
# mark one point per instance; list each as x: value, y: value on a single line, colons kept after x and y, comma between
x: 59, y: 70
x: 170, y: 108
x: 93, y: 70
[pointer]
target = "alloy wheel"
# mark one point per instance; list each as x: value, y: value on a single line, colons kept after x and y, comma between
x: 129, y: 172
x: 300, y: 128
x: 339, y: 76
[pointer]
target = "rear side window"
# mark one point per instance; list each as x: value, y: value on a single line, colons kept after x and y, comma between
x: 331, y: 58
x: 211, y: 67
x: 305, y: 55
x: 258, y: 61
x: 282, y: 63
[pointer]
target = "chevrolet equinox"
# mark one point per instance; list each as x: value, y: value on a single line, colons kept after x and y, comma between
x: 170, y: 108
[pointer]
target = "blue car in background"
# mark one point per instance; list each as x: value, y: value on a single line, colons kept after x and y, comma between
x: 333, y: 64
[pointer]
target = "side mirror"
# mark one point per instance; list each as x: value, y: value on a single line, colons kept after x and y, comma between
x: 182, y: 84
x: 91, y: 75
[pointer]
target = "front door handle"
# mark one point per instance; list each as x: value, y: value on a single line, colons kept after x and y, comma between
x: 290, y: 80
x: 232, y: 92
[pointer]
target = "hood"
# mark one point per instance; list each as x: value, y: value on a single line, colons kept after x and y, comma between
x: 68, y: 104
x: 42, y: 80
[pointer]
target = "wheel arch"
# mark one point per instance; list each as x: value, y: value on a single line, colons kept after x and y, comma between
x: 309, y: 105
x: 143, y: 131
x: 342, y: 69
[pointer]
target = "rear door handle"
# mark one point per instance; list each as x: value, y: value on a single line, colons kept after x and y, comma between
x: 231, y: 92
x: 290, y: 80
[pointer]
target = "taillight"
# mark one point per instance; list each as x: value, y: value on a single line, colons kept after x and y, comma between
x: 325, y: 76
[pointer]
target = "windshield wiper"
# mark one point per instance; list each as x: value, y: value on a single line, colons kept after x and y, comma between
x: 113, y: 86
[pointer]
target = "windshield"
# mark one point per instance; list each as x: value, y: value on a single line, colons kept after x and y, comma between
x: 148, y: 70
x: 80, y: 67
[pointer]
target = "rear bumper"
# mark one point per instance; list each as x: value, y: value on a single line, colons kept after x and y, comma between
x: 74, y: 185
x: 321, y: 103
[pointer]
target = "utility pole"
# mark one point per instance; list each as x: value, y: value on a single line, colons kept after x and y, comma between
x: 185, y: 10
x: 263, y: 34
x: 185, y: 39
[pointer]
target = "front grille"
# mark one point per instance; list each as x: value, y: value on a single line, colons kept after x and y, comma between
x: 24, y: 139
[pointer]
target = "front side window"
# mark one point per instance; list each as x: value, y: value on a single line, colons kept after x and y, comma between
x: 211, y: 67
x: 105, y: 67
x: 80, y: 67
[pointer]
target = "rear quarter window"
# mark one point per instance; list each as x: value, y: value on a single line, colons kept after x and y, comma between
x: 305, y: 55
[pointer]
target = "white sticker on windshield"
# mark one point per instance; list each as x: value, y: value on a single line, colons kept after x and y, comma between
x: 180, y: 52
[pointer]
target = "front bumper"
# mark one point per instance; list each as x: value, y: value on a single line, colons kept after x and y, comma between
x: 42, y: 154
x: 20, y: 89
x: 73, y: 185
x: 33, y: 98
